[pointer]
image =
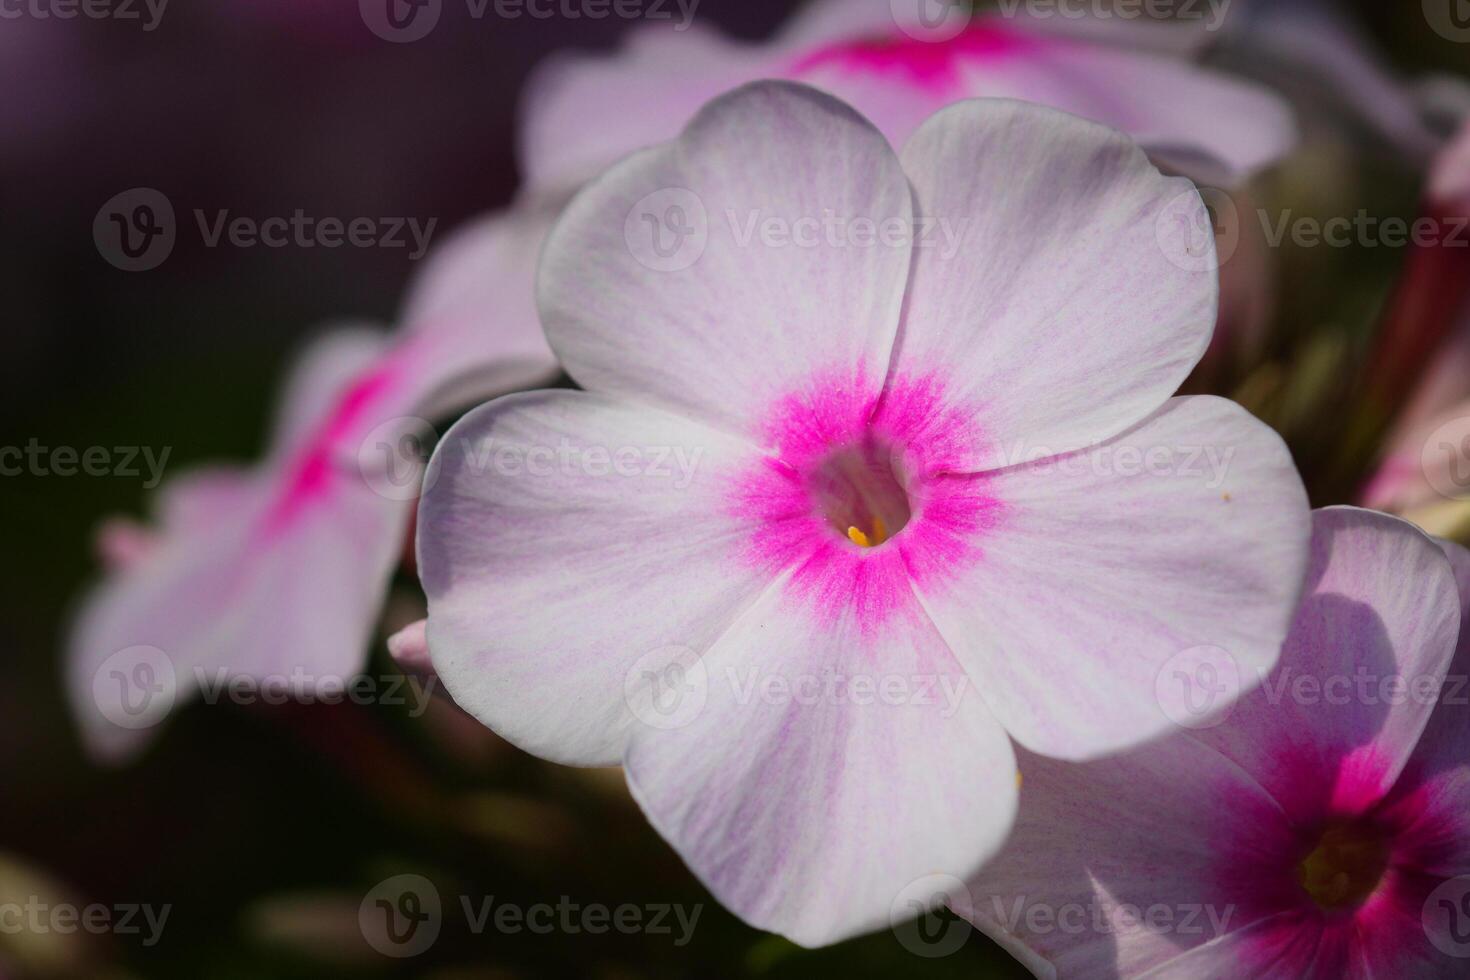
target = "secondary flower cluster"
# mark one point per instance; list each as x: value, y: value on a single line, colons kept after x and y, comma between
x: 940, y: 583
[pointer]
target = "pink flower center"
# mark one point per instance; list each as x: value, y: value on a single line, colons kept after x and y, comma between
x: 1347, y: 865
x: 860, y: 491
x: 934, y: 65
x: 866, y: 496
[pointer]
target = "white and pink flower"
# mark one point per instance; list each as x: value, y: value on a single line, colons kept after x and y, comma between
x: 1319, y: 830
x: 939, y: 469
x: 281, y: 568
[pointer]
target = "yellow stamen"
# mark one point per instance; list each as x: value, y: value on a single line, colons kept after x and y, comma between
x: 866, y: 540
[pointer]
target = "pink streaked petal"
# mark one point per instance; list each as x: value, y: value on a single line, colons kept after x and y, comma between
x: 808, y: 809
x: 1381, y: 606
x: 330, y: 366
x: 1059, y: 305
x: 1151, y: 829
x: 228, y: 601
x: 1432, y: 797
x: 1289, y: 946
x: 1187, y: 531
x: 122, y: 542
x: 747, y: 320
x: 550, y: 574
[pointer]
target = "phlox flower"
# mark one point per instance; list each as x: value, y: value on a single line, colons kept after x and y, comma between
x: 279, y: 570
x: 583, y: 112
x: 1318, y: 829
x: 836, y: 512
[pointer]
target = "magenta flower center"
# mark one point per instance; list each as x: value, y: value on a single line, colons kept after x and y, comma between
x: 861, y: 492
x: 1347, y: 865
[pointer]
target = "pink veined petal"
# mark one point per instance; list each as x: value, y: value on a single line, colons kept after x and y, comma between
x: 1332, y: 727
x: 1433, y: 794
x: 329, y: 365
x: 1148, y: 831
x: 1289, y: 946
x: 567, y: 542
x: 812, y: 782
x: 1057, y: 303
x: 1109, y: 565
x: 235, y: 600
x: 752, y: 313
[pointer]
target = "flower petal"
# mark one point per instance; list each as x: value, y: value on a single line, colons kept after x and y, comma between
x: 1104, y: 567
x: 227, y: 601
x: 1117, y: 866
x: 1332, y: 727
x: 1057, y: 302
x: 473, y: 311
x: 577, y: 115
x: 651, y: 289
x: 809, y: 779
x: 566, y: 539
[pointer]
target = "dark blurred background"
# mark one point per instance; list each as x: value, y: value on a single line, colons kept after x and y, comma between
x: 264, y: 828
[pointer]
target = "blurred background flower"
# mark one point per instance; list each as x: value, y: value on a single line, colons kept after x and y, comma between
x: 267, y: 828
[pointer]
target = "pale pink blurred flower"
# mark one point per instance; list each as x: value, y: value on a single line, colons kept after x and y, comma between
x: 261, y: 571
x: 582, y: 112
